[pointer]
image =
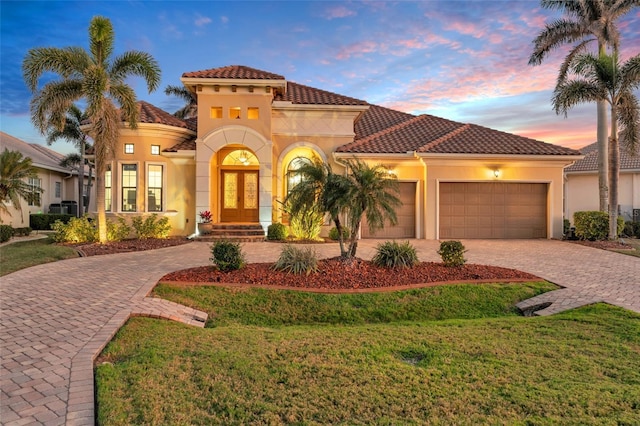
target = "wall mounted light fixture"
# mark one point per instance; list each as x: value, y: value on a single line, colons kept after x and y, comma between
x: 496, y: 173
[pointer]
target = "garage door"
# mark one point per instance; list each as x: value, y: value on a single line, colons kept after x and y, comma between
x: 406, y: 214
x: 493, y: 210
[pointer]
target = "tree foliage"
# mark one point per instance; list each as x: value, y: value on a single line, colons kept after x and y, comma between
x: 97, y: 78
x: 15, y: 170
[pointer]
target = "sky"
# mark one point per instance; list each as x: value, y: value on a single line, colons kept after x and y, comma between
x: 466, y: 61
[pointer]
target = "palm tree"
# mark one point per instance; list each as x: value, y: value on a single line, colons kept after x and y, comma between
x: 98, y: 79
x: 14, y: 172
x: 73, y: 133
x: 586, y: 19
x: 602, y: 78
x: 190, y: 110
x: 365, y: 191
x: 373, y: 194
x: 73, y: 161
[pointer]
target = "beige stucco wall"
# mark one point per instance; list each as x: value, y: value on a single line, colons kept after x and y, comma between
x: 178, y: 203
x: 581, y: 193
x: 478, y: 170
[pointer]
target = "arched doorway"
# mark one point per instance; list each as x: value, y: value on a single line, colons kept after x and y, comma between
x: 239, y: 185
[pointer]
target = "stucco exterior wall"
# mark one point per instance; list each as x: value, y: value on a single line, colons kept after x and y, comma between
x: 581, y: 193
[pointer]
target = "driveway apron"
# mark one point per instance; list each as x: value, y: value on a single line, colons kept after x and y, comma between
x: 57, y: 317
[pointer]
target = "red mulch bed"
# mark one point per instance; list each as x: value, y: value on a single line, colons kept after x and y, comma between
x: 336, y: 274
x: 126, y: 246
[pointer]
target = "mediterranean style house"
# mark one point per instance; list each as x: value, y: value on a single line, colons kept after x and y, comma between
x: 59, y: 185
x: 254, y: 127
x: 581, y: 184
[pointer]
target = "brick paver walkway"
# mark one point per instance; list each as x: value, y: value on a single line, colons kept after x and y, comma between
x: 56, y: 318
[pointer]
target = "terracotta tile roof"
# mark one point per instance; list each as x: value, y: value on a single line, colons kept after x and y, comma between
x: 409, y: 135
x: 590, y: 161
x: 234, y: 72
x: 188, y: 145
x: 152, y: 114
x: 428, y: 134
x: 305, y: 95
x: 378, y: 118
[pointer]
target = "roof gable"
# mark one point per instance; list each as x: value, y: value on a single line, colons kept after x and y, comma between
x: 240, y: 72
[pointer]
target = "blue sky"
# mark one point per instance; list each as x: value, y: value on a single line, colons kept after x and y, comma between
x: 461, y: 60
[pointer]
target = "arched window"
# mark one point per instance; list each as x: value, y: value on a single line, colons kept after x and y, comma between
x: 240, y: 157
x: 293, y: 177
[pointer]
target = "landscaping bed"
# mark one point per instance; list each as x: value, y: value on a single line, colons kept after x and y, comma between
x: 126, y: 246
x: 336, y: 274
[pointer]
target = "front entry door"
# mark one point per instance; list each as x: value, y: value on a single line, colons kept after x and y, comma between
x: 239, y: 190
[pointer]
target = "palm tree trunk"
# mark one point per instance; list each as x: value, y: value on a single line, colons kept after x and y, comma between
x: 603, y: 148
x: 100, y: 204
x: 614, y: 174
x: 81, y: 180
x: 603, y: 155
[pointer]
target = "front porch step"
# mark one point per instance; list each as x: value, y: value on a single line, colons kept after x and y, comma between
x: 237, y: 232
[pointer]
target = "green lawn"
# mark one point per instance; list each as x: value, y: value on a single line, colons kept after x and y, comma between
x: 274, y: 357
x: 16, y: 256
x: 633, y: 242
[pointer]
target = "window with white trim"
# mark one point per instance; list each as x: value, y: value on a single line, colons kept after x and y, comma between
x: 154, y: 187
x: 35, y: 185
x: 128, y: 148
x: 58, y: 189
x: 129, y: 187
x: 155, y: 149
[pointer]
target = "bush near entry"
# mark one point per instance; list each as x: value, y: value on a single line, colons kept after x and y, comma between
x: 276, y: 232
x: 452, y: 253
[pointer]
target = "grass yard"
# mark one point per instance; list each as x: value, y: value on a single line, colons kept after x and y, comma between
x: 16, y: 256
x: 633, y: 242
x: 280, y: 357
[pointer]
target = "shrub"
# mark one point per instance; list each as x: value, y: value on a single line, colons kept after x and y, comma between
x: 632, y: 229
x: 276, y: 232
x: 118, y: 231
x: 149, y: 227
x: 22, y: 232
x: 44, y: 222
x: 391, y: 254
x: 77, y: 230
x: 452, y: 253
x: 333, y: 233
x: 227, y: 256
x: 591, y: 225
x: 6, y: 232
x: 620, y: 227
x: 297, y: 260
x: 307, y: 224
x: 566, y: 227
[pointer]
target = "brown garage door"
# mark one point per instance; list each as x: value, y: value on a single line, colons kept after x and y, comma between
x: 493, y: 210
x: 406, y: 214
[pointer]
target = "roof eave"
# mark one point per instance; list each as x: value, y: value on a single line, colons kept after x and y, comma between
x: 208, y: 81
x: 288, y: 105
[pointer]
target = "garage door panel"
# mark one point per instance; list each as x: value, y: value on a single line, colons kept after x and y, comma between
x: 493, y: 210
x: 406, y: 215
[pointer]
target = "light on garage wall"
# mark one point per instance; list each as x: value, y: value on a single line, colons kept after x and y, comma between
x: 390, y: 171
x: 496, y: 173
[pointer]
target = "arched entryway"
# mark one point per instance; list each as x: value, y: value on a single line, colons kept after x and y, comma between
x: 239, y: 184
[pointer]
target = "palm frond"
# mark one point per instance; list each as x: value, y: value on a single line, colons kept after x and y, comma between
x: 570, y: 58
x: 126, y: 98
x: 629, y: 122
x: 556, y: 34
x: 101, y: 40
x: 137, y: 63
x: 574, y: 92
x: 50, y: 105
x: 68, y: 63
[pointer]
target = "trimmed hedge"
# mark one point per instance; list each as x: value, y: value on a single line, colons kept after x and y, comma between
x: 43, y: 221
x: 6, y: 232
x: 594, y: 225
x: 277, y: 232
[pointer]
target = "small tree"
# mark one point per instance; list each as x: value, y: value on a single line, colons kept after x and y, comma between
x: 14, y: 172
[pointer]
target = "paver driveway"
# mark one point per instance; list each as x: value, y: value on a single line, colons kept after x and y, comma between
x: 57, y: 317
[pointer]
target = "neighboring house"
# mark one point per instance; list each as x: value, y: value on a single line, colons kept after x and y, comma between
x: 581, y: 184
x: 254, y: 128
x: 59, y: 185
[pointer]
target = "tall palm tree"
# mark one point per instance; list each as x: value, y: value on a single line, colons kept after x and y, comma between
x: 98, y: 79
x: 190, y: 109
x: 588, y: 20
x: 602, y: 78
x: 72, y: 132
x: 365, y: 191
x: 14, y: 172
x: 76, y: 161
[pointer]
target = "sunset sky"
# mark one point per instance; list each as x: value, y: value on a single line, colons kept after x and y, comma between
x: 461, y: 60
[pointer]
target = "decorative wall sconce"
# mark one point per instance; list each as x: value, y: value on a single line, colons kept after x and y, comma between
x: 496, y: 173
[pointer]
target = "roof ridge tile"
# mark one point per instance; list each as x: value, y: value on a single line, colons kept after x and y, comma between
x: 445, y: 137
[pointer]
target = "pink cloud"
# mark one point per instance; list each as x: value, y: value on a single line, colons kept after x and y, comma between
x: 357, y: 49
x: 339, y: 12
